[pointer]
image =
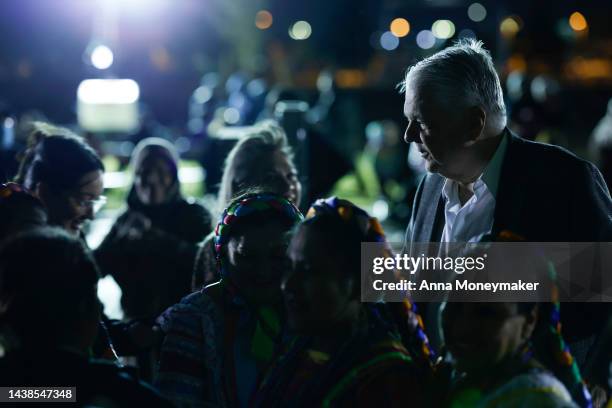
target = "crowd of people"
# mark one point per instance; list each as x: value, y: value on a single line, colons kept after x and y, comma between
x: 255, y: 303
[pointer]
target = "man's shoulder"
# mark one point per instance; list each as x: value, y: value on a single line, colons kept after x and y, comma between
x: 537, y: 154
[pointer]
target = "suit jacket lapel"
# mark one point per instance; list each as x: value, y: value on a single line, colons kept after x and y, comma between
x: 431, y: 216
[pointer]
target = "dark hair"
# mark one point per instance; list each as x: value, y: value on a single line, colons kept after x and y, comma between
x: 45, y: 276
x: 57, y: 157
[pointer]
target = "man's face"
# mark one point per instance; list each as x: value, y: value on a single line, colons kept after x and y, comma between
x: 436, y: 131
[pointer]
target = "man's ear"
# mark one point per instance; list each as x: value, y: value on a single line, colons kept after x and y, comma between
x: 531, y: 320
x: 476, y: 119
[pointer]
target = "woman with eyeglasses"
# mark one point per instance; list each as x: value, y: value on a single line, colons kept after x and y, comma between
x: 65, y: 173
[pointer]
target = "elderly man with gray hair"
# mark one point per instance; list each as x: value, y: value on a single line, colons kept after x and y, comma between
x: 483, y: 179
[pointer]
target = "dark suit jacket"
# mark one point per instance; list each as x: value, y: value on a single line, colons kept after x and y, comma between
x: 545, y: 194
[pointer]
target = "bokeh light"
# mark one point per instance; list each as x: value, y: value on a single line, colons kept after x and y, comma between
x: 202, y: 94
x: 443, y: 29
x: 400, y: 27
x: 477, y: 12
x: 577, y: 21
x: 300, y: 30
x: 263, y: 19
x: 425, y: 39
x: 388, y: 41
x: 102, y: 57
x: 231, y: 116
x: 510, y: 26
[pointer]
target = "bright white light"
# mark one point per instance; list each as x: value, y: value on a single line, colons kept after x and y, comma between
x: 9, y: 123
x: 443, y: 29
x: 102, y: 57
x: 108, y: 91
x: 425, y: 39
x: 388, y: 41
x: 231, y: 116
x: 136, y: 8
x: 477, y: 12
x: 108, y: 105
x: 300, y: 30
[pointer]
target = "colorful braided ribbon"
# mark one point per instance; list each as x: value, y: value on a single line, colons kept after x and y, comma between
x: 248, y: 205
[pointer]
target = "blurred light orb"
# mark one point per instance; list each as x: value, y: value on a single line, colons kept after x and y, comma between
x: 577, y: 21
x: 510, y: 26
x: 195, y: 125
x: 300, y: 30
x: 380, y: 210
x: 202, y: 94
x: 388, y: 41
x: 425, y: 39
x: 400, y: 27
x: 231, y: 116
x: 466, y: 33
x: 102, y: 57
x: 477, y: 12
x: 443, y: 29
x: 263, y: 19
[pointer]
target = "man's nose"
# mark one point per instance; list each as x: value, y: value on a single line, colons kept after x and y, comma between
x: 411, y: 134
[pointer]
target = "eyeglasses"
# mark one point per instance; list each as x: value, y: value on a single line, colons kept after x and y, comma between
x: 95, y: 204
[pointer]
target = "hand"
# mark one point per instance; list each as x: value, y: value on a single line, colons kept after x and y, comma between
x: 135, y: 226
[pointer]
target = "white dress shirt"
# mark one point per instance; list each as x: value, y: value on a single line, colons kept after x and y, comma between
x: 474, y: 219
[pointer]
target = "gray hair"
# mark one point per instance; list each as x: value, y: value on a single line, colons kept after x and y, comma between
x: 463, y: 72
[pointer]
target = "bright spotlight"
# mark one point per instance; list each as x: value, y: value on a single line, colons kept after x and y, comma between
x: 102, y: 57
